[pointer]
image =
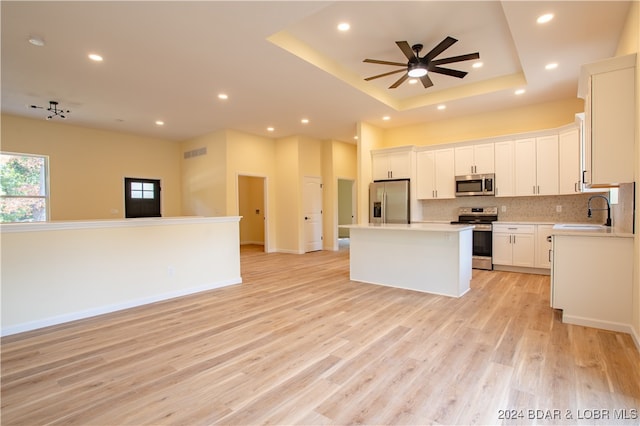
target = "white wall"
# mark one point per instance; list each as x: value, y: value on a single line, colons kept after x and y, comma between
x: 58, y: 272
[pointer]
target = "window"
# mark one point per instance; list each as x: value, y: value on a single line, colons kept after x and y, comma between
x: 24, y: 187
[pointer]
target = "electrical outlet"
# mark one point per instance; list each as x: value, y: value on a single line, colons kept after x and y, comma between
x: 171, y: 271
x: 558, y: 209
x: 503, y: 209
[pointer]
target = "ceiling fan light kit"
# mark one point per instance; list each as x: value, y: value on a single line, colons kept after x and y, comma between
x: 416, y: 70
x: 419, y: 67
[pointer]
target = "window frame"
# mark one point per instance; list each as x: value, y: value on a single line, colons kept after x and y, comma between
x: 46, y: 197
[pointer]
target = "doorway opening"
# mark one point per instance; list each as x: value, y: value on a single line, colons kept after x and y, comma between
x: 252, y: 192
x: 141, y: 197
x: 346, y: 210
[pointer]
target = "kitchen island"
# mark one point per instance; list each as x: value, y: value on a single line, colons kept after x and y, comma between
x: 427, y: 257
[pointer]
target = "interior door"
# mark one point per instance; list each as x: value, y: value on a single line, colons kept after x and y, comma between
x: 141, y: 197
x: 312, y: 206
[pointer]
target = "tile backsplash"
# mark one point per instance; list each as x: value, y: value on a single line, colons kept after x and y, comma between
x: 573, y: 208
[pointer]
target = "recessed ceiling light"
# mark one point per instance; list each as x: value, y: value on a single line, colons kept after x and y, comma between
x: 223, y: 96
x: 270, y: 129
x: 344, y: 26
x: 413, y: 81
x: 519, y: 91
x: 386, y: 118
x: 543, y: 19
x: 36, y: 41
x: 477, y: 65
x: 95, y: 57
x: 160, y: 123
x: 356, y: 137
x: 442, y: 107
x: 305, y: 121
x: 551, y: 66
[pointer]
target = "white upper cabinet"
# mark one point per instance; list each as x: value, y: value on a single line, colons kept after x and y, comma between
x: 547, y: 165
x: 435, y: 174
x: 525, y: 166
x: 608, y: 88
x: 391, y: 164
x: 536, y: 166
x: 474, y: 159
x: 569, y: 162
x: 504, y: 167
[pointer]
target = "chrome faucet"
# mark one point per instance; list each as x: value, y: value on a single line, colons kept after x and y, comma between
x: 589, y: 209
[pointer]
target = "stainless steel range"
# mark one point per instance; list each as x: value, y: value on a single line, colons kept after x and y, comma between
x: 481, y: 217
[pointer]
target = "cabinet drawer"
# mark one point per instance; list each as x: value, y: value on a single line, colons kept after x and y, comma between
x: 514, y: 229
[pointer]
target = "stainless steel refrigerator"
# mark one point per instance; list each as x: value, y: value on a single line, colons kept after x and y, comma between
x: 389, y: 201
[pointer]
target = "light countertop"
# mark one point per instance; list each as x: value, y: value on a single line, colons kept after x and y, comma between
x: 606, y: 231
x: 113, y: 223
x: 423, y: 227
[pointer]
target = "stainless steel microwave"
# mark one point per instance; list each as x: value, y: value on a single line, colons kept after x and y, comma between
x: 467, y: 185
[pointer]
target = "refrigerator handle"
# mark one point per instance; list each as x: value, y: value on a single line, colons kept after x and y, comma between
x: 384, y: 207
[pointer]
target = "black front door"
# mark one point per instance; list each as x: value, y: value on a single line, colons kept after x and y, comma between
x: 141, y: 197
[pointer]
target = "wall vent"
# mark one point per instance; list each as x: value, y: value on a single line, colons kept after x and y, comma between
x: 195, y: 153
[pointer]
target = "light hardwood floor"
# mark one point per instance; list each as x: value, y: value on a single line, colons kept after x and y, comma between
x: 298, y: 343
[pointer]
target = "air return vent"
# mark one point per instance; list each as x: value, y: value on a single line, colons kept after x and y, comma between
x: 195, y: 153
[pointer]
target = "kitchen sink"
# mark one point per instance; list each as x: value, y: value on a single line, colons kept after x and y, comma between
x: 579, y: 227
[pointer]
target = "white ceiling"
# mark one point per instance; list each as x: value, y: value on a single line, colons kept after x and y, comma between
x: 280, y: 62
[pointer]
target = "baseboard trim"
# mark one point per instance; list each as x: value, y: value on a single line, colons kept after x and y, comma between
x: 605, y: 325
x: 74, y: 316
x: 636, y: 339
x: 522, y: 269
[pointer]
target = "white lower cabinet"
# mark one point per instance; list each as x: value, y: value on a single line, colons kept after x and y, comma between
x: 592, y: 282
x: 543, y: 246
x: 514, y: 245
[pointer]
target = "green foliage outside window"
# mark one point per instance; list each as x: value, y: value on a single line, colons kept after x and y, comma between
x: 23, y: 188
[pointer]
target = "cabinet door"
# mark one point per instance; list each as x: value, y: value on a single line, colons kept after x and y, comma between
x: 523, y: 250
x: 445, y: 184
x: 547, y: 165
x: 569, y: 162
x: 464, y: 160
x: 400, y: 165
x: 484, y: 158
x: 525, y: 166
x: 543, y: 246
x: 612, y: 126
x: 502, y: 251
x: 425, y: 175
x: 380, y: 167
x: 505, y: 183
x: 585, y: 143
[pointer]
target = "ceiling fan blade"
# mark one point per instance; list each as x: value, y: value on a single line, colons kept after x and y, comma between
x: 444, y: 45
x: 426, y: 81
x: 460, y: 58
x: 385, y: 74
x: 448, y: 71
x: 399, y: 82
x: 375, y: 61
x: 406, y: 49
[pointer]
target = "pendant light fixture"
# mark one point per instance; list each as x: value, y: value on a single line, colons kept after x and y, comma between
x: 53, y: 110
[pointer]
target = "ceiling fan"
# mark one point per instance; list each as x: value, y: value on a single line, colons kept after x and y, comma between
x: 419, y: 67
